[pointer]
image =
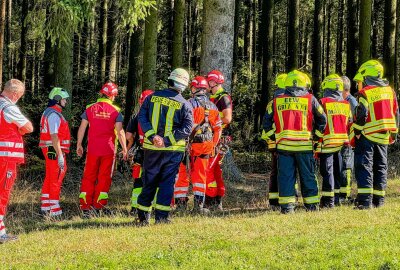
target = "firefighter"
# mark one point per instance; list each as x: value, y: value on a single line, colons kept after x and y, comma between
x: 105, y: 122
x: 202, y: 142
x: 347, y: 151
x: 273, y: 194
x: 336, y: 137
x: 12, y: 126
x: 215, y: 189
x: 295, y: 121
x: 55, y: 142
x: 375, y: 127
x: 135, y: 137
x: 166, y: 119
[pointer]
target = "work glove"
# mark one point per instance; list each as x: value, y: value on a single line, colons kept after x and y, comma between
x: 61, y: 162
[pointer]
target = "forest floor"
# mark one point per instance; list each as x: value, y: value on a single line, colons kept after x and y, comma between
x: 245, y: 236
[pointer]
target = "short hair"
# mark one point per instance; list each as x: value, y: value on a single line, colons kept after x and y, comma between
x: 14, y: 86
x: 346, y: 83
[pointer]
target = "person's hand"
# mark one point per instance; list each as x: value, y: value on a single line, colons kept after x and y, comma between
x: 61, y: 162
x: 79, y: 150
x: 124, y: 155
x: 158, y: 141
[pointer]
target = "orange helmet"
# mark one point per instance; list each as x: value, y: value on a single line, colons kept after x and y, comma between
x: 199, y: 82
x: 216, y: 76
x: 109, y: 89
x: 144, y: 95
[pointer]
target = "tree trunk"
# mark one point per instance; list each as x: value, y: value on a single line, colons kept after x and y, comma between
x: 195, y: 34
x: 235, y: 42
x: 397, y: 47
x: 134, y: 84
x: 102, y: 58
x: 375, y: 18
x: 8, y: 51
x: 293, y: 34
x: 218, y: 20
x: 267, y: 27
x: 76, y: 61
x: 365, y: 31
x: 2, y: 26
x: 317, y: 41
x: 22, y: 50
x: 177, y: 42
x: 339, y: 39
x: 351, y: 65
x: 112, y: 42
x: 389, y: 40
x: 63, y: 70
x: 150, y: 50
x: 328, y: 37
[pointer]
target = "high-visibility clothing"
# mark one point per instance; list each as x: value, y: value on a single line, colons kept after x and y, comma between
x: 96, y: 181
x: 167, y: 114
x: 8, y: 174
x: 380, y: 123
x: 293, y: 118
x: 197, y: 176
x: 206, y: 116
x: 51, y: 189
x: 102, y: 117
x: 63, y: 134
x: 223, y: 101
x: 11, y: 142
x: 336, y: 133
x: 215, y: 181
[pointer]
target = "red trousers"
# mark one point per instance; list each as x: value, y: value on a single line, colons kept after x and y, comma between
x: 96, y: 181
x: 198, y: 175
x: 8, y: 173
x: 215, y: 181
x: 52, y: 186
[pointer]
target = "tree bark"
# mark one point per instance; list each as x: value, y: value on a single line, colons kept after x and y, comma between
x: 375, y: 17
x: 389, y: 40
x: 2, y: 26
x: 134, y: 84
x: 217, y: 53
x: 150, y: 50
x: 177, y: 42
x: 351, y: 65
x: 339, y: 39
x: 235, y: 42
x: 103, y: 40
x: 112, y: 42
x: 22, y: 51
x: 267, y: 27
x: 365, y: 31
x: 317, y: 50
x: 293, y: 35
x: 397, y: 48
x: 328, y: 37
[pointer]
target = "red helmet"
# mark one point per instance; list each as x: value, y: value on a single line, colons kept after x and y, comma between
x: 216, y: 76
x: 144, y: 95
x: 199, y: 82
x: 109, y: 89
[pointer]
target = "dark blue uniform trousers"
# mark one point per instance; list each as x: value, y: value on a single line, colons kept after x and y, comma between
x: 347, y: 171
x: 370, y: 164
x: 305, y: 164
x: 160, y: 169
x: 330, y: 169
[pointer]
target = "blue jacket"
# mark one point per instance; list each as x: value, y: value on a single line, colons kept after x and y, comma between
x: 167, y: 114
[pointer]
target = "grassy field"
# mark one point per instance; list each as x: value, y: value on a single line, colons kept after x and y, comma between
x: 246, y: 236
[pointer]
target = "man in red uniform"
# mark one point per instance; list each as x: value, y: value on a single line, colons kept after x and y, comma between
x: 54, y: 141
x: 105, y: 122
x: 202, y: 141
x: 12, y: 126
x: 215, y: 183
x: 135, y: 138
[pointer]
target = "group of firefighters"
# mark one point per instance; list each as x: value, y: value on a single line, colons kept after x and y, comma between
x: 173, y: 142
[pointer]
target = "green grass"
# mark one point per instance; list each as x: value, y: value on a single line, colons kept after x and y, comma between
x: 342, y: 238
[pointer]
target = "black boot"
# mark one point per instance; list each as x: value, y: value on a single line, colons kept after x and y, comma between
x: 181, y: 204
x: 378, y: 201
x: 143, y: 218
x: 218, y: 203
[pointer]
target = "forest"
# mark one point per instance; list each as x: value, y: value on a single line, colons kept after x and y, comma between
x: 80, y: 44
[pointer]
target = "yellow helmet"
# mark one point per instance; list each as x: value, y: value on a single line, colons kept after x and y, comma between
x: 371, y: 68
x: 280, y: 80
x: 308, y: 80
x: 297, y: 78
x: 333, y: 82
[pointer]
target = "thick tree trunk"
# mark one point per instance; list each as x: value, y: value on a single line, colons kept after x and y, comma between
x: 22, y: 50
x: 177, y: 42
x: 112, y: 43
x: 150, y: 50
x: 134, y: 84
x: 293, y: 35
x: 351, y: 65
x: 375, y: 29
x: 389, y: 40
x: 317, y: 50
x: 3, y: 4
x: 339, y: 38
x: 365, y: 31
x: 63, y: 70
x: 397, y: 48
x: 267, y: 27
x: 235, y: 42
x: 217, y: 53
